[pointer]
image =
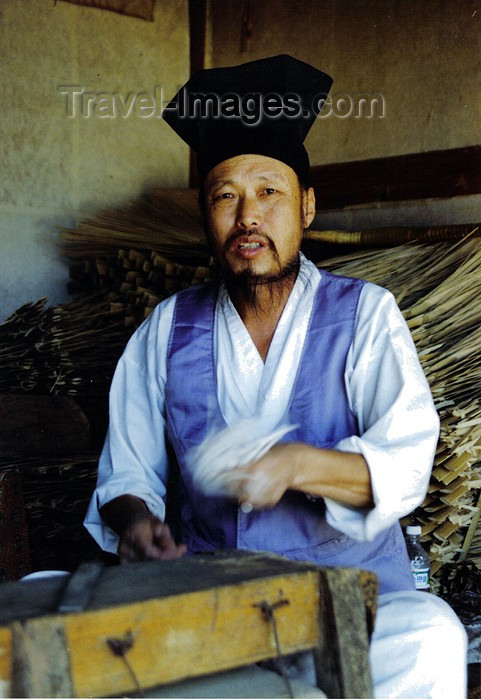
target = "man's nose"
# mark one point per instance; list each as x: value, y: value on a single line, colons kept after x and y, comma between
x: 248, y: 214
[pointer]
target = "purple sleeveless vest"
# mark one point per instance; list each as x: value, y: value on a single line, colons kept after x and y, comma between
x: 296, y: 528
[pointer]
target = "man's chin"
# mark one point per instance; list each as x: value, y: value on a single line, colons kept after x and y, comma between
x: 254, y: 274
x: 250, y: 266
x: 261, y: 267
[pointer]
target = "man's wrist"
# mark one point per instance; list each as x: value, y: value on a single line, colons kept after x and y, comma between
x: 297, y: 460
x: 124, y: 511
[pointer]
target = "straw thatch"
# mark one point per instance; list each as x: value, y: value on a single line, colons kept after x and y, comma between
x: 437, y: 288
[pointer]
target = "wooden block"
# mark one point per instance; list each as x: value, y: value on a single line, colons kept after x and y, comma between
x: 190, y: 634
x: 185, y: 618
x: 40, y: 659
x: 342, y: 653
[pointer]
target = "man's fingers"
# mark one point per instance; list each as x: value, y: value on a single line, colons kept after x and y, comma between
x: 161, y: 532
x: 175, y: 551
x: 166, y: 545
x: 129, y: 551
x: 148, y: 538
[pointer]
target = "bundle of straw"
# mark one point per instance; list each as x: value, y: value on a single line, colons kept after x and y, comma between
x: 137, y: 279
x: 69, y: 350
x: 437, y: 288
x: 56, y: 492
x: 167, y: 221
x: 395, y: 235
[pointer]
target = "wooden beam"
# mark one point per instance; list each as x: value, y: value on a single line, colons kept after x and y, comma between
x: 436, y: 174
x: 185, y: 618
x: 343, y: 648
x: 40, y: 660
x: 198, y: 31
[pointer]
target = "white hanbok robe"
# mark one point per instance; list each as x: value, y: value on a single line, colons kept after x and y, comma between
x: 398, y: 424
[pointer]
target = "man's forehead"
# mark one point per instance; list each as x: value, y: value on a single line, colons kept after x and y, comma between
x: 249, y: 168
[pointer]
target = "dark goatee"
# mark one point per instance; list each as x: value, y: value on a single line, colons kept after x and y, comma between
x: 246, y: 285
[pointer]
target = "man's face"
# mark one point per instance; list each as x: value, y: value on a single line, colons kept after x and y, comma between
x: 256, y: 214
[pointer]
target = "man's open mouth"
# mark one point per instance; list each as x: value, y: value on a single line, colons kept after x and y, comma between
x: 249, y: 246
x: 246, y: 248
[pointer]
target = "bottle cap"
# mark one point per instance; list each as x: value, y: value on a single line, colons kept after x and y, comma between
x: 413, y: 530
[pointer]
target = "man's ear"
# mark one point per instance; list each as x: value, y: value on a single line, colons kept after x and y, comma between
x: 308, y: 206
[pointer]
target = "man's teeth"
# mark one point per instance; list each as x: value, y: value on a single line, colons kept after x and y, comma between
x: 250, y: 245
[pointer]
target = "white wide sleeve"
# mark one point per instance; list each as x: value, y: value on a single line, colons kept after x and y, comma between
x: 134, y: 459
x: 398, y: 423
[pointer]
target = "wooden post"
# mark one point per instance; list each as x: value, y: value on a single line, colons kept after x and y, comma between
x: 342, y: 655
x: 40, y: 660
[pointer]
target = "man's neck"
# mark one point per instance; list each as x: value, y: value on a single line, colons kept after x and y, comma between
x: 262, y: 317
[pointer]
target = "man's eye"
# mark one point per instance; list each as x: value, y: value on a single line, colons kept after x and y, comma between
x: 224, y: 195
x: 270, y: 190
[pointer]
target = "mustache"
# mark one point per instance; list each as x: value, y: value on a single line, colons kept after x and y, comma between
x: 239, y: 233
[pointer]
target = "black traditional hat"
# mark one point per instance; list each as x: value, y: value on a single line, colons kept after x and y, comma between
x: 264, y: 107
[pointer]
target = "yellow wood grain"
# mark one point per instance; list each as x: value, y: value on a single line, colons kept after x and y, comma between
x: 5, y: 661
x: 190, y: 634
x: 186, y: 635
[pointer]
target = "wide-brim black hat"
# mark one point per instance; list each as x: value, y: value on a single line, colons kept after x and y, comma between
x: 264, y: 107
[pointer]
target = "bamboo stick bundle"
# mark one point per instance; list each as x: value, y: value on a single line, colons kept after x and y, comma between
x: 142, y: 252
x: 444, y: 318
x: 409, y: 271
x: 55, y: 493
x: 73, y: 348
x: 472, y: 544
x: 68, y: 350
x: 396, y: 235
x: 18, y: 335
x: 140, y: 279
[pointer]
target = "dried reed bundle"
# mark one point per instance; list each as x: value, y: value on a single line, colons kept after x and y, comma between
x: 437, y: 287
x: 164, y: 222
x: 55, y: 494
x: 396, y: 235
x: 69, y: 350
x: 474, y: 549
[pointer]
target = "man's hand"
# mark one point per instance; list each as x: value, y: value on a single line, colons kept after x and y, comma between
x: 142, y: 535
x: 326, y: 473
x: 148, y: 538
x: 263, y: 482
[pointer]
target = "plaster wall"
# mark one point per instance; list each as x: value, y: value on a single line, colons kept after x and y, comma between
x: 65, y: 156
x: 420, y: 58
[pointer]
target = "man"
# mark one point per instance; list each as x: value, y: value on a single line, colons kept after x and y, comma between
x: 281, y: 342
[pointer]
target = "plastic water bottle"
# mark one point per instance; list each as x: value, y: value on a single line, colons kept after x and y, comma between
x: 420, y: 563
